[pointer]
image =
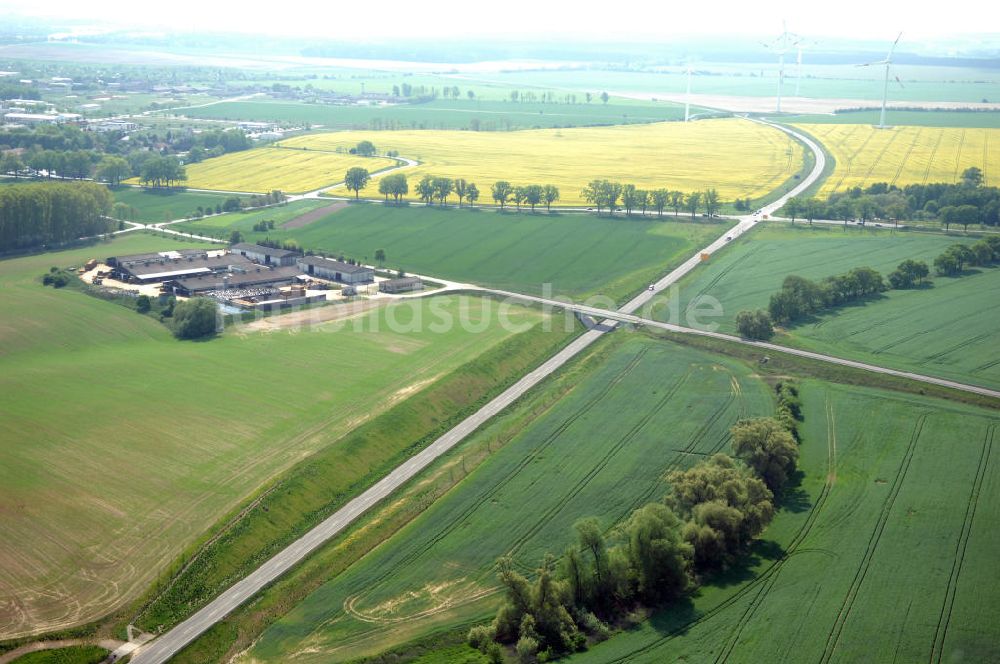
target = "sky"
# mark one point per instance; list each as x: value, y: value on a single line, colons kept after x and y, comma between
x: 618, y: 20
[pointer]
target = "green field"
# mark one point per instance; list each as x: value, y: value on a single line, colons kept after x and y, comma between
x: 222, y: 225
x: 121, y: 446
x: 155, y: 206
x: 950, y: 329
x: 489, y: 115
x: 984, y: 119
x: 70, y: 655
x: 922, y: 83
x: 602, y: 449
x: 890, y: 556
x: 579, y: 255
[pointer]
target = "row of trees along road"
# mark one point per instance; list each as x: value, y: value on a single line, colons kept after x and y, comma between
x: 965, y: 203
x: 612, y: 196
x: 46, y: 213
x: 662, y: 550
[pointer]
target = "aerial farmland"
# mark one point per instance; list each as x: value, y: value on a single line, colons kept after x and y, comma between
x: 370, y: 345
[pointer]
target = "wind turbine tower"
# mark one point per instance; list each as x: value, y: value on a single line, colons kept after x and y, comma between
x: 885, y: 87
x: 785, y: 42
x: 687, y: 97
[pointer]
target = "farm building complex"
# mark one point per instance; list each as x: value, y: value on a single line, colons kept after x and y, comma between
x: 328, y: 268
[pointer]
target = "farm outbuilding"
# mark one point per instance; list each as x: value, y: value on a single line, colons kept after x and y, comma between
x: 265, y: 255
x: 255, y: 278
x: 401, y: 285
x: 334, y: 270
x: 154, y: 268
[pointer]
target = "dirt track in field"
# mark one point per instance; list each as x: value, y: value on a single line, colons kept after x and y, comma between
x: 313, y: 215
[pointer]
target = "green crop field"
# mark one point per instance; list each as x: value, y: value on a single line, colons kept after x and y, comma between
x: 120, y: 445
x: 222, y: 225
x: 156, y: 205
x: 969, y: 119
x: 70, y: 655
x: 579, y: 255
x: 889, y: 557
x: 489, y: 115
x: 602, y: 449
x: 950, y: 329
x: 922, y: 83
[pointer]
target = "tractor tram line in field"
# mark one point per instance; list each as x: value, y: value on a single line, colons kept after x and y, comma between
x: 836, y: 630
x: 944, y: 620
x: 930, y: 161
x: 906, y: 157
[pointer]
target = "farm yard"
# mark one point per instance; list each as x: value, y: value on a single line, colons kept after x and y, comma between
x: 578, y: 255
x: 887, y: 539
x: 945, y: 330
x: 602, y: 449
x: 680, y: 156
x: 899, y: 156
x: 121, y: 446
x: 267, y: 169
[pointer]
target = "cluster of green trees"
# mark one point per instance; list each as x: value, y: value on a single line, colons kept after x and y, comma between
x: 908, y: 274
x: 708, y: 520
x: 504, y: 192
x: 46, y: 213
x: 966, y: 203
x: 612, y: 196
x: 954, y: 259
x: 430, y: 188
x: 755, y: 324
x: 195, y: 318
x: 800, y: 297
x: 162, y: 171
x: 394, y: 185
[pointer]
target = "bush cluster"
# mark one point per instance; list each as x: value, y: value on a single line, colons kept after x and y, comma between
x: 799, y: 297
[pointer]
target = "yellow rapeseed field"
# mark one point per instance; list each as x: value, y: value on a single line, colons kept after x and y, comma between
x: 737, y: 157
x: 906, y: 155
x: 267, y: 169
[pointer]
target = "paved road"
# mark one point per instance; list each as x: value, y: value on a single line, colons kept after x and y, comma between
x: 164, y: 647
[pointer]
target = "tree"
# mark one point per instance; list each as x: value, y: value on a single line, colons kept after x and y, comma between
x: 380, y: 257
x: 965, y: 215
x: 442, y: 188
x: 195, y: 318
x: 10, y: 162
x: 612, y: 192
x: 550, y: 194
x: 356, y: 179
x: 793, y: 206
x: 533, y: 195
x: 604, y: 97
x: 676, y: 201
x: 629, y: 198
x: 519, y: 196
x: 502, y: 191
x: 711, y: 200
x: 365, y: 149
x: 767, y: 447
x: 394, y: 185
x: 113, y: 170
x: 754, y: 324
x: 425, y: 189
x: 692, y: 202
x: 472, y: 191
x: 595, y: 193
x: 972, y: 177
x: 947, y: 264
x: 142, y: 304
x: 908, y: 274
x: 660, y: 198
x: 461, y: 188
x: 385, y: 188
x: 657, y: 552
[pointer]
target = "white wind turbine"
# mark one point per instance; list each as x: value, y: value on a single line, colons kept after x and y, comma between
x: 782, y: 45
x: 799, y: 45
x: 687, y: 97
x: 885, y: 88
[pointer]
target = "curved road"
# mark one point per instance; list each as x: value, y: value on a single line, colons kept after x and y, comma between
x: 167, y: 645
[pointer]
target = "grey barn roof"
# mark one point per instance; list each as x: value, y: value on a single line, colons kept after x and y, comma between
x: 165, y: 266
x: 238, y: 280
x: 331, y: 264
x: 260, y: 249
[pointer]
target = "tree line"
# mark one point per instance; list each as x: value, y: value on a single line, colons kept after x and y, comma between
x: 966, y: 203
x: 800, y: 298
x: 40, y: 214
x: 612, y: 196
x: 662, y: 551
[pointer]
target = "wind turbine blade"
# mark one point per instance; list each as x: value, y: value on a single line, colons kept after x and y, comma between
x: 900, y: 83
x: 893, y: 47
